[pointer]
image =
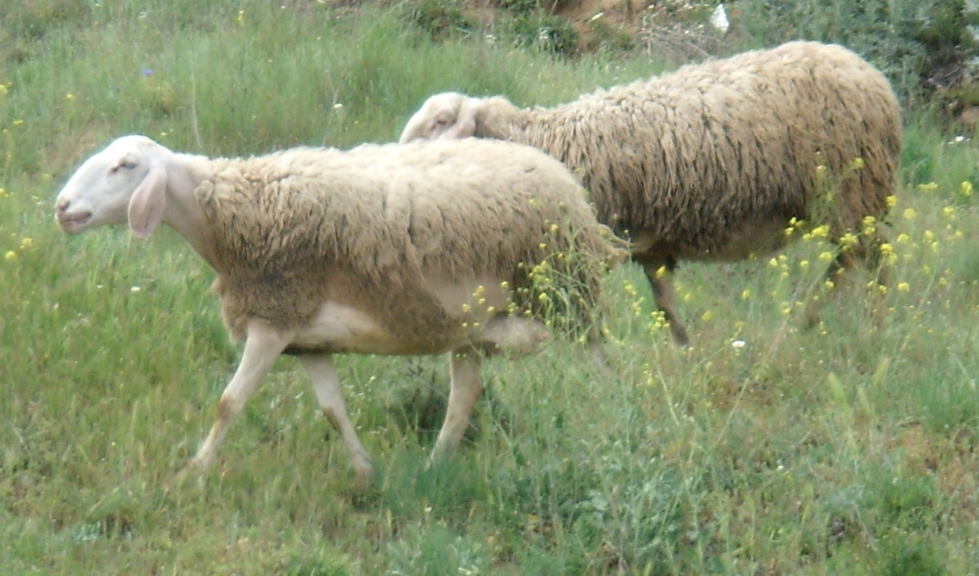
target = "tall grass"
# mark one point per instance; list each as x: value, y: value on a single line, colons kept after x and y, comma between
x: 762, y: 449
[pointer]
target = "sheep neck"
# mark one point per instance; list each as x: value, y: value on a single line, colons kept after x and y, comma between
x: 507, y: 122
x: 184, y: 213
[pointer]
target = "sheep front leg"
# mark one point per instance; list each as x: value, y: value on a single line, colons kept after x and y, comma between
x: 263, y: 345
x: 464, y: 391
x: 659, y: 273
x: 326, y: 384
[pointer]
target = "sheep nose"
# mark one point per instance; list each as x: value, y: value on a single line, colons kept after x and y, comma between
x: 62, y: 205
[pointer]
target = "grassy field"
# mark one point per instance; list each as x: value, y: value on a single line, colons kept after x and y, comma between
x: 762, y: 449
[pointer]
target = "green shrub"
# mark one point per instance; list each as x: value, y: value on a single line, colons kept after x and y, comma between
x: 544, y: 33
x: 921, y: 45
x: 438, y: 18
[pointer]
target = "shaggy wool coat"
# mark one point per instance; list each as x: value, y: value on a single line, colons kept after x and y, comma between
x: 377, y: 226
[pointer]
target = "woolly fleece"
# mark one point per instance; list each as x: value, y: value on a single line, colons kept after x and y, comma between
x: 710, y: 162
x: 371, y: 227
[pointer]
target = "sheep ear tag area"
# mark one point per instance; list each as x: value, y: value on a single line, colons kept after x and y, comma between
x: 148, y: 202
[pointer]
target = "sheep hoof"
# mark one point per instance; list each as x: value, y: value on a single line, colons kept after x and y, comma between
x: 363, y: 476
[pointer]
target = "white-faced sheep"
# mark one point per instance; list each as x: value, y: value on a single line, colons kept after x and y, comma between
x: 713, y: 161
x: 397, y: 250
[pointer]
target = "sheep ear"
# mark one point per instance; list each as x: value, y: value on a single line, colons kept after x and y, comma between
x: 465, y: 124
x: 149, y: 201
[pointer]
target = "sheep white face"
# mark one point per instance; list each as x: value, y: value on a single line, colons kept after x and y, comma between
x: 434, y: 119
x: 99, y: 192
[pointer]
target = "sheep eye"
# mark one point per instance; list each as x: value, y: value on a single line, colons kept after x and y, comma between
x: 127, y: 164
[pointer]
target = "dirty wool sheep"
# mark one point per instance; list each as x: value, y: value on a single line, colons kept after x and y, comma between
x: 713, y: 162
x: 397, y: 250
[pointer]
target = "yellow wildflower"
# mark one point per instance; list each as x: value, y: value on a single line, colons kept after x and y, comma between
x: 910, y: 214
x: 891, y: 201
x: 825, y: 256
x: 26, y: 243
x: 929, y: 187
x: 849, y: 240
x: 903, y: 287
x: 10, y: 255
x: 707, y: 316
x: 821, y: 231
x: 887, y: 253
x: 965, y: 188
x: 746, y: 294
x: 869, y: 226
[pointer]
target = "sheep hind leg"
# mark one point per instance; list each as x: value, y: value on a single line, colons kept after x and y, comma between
x: 883, y: 280
x: 603, y: 362
x: 869, y: 253
x: 877, y: 264
x: 465, y: 390
x: 659, y: 274
x: 326, y: 385
x: 262, y: 346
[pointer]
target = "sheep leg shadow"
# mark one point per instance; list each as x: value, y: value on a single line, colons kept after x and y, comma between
x: 659, y: 272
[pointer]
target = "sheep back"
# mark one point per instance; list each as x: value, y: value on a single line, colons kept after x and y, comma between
x: 695, y: 157
x: 371, y: 226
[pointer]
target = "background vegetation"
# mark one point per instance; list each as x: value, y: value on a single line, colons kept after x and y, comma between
x: 762, y: 449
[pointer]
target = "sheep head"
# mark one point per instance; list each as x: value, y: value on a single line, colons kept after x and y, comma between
x: 448, y: 115
x: 127, y: 181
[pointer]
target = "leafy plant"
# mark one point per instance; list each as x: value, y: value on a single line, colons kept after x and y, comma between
x: 921, y: 46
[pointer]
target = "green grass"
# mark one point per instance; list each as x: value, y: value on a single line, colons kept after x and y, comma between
x: 847, y: 449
